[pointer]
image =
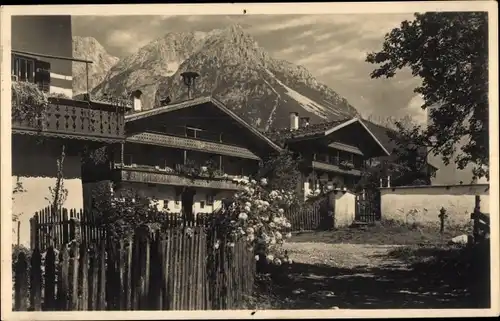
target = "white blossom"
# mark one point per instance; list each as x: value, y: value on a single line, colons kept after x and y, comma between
x: 243, y: 216
x: 281, y: 211
x: 257, y: 258
x: 288, y: 235
x: 270, y: 257
x: 263, y: 181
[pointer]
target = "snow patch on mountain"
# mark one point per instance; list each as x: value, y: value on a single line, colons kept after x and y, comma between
x: 173, y: 66
x: 308, y: 104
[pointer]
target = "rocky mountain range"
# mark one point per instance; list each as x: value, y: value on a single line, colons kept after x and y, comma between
x: 232, y: 67
x: 90, y: 49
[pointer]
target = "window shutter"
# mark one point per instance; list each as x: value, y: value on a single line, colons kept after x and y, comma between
x: 42, y: 75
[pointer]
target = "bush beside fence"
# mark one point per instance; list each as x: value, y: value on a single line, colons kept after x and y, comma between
x: 175, y: 269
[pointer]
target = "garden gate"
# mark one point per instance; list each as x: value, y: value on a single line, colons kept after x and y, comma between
x: 367, y: 208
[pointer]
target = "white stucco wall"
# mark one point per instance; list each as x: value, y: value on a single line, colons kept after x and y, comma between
x: 37, y: 190
x: 422, y: 204
x: 167, y: 193
x: 344, y: 208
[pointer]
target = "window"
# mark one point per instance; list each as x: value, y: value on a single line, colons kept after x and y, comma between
x: 165, y: 204
x: 23, y: 68
x: 202, y: 204
x: 31, y: 70
x: 210, y: 199
x: 193, y: 132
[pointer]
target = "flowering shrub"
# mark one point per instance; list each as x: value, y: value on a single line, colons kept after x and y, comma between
x: 257, y: 217
x: 28, y: 101
x: 122, y: 213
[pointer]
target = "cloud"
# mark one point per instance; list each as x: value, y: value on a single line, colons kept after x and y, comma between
x: 128, y: 41
x: 329, y: 69
x: 414, y: 109
x: 286, y: 23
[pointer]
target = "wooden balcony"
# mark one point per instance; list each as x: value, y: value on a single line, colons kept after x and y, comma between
x: 193, y: 144
x: 335, y: 168
x: 74, y: 119
x: 163, y: 177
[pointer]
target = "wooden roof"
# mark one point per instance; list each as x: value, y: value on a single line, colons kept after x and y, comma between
x: 196, y: 102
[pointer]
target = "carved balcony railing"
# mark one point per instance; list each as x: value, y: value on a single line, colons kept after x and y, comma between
x: 334, y: 168
x: 77, y: 119
x: 140, y: 174
x: 193, y: 144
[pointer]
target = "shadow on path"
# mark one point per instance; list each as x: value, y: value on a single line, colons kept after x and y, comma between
x: 438, y: 283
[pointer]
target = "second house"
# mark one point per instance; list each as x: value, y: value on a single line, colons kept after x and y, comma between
x: 185, y: 155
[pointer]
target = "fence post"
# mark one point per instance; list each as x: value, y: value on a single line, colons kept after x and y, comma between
x: 34, y: 231
x: 75, y: 229
x: 442, y: 216
x: 62, y: 282
x: 83, y: 274
x: 101, y: 300
x: 475, y: 216
x: 50, y: 280
x: 36, y: 280
x: 21, y: 283
x: 73, y: 280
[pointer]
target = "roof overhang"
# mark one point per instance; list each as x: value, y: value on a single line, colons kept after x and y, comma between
x: 197, y: 102
x: 354, y: 121
x: 337, y: 128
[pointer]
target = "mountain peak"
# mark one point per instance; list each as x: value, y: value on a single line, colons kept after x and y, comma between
x: 89, y: 48
x: 233, y: 68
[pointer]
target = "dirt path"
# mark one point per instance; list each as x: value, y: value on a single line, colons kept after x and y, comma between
x: 342, y: 255
x: 357, y: 276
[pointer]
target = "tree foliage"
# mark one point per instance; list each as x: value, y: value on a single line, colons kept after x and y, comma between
x: 121, y: 214
x: 282, y: 171
x: 449, y: 52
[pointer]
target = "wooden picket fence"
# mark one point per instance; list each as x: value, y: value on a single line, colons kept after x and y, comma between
x: 62, y: 226
x: 305, y: 218
x: 175, y: 269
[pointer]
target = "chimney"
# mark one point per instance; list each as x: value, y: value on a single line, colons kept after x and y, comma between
x: 189, y: 78
x: 136, y: 97
x: 294, y: 121
x: 304, y: 121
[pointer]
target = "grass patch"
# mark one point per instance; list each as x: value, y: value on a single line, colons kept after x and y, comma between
x: 386, y: 233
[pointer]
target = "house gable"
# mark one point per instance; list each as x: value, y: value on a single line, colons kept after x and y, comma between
x: 343, y: 134
x: 206, y: 117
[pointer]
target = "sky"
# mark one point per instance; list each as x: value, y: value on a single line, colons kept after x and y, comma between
x: 332, y: 47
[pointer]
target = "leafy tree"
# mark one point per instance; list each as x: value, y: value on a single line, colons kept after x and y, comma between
x: 449, y: 52
x: 282, y: 171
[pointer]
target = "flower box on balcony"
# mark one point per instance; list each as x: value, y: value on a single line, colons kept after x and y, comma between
x: 347, y: 165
